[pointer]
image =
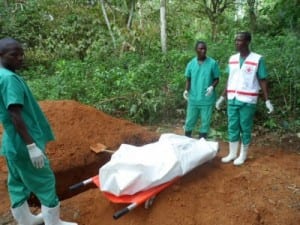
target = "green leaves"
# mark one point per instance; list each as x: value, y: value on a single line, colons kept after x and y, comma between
x: 69, y: 55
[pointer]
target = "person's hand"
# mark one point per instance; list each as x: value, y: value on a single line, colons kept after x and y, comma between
x: 37, y: 157
x: 269, y: 106
x: 186, y: 95
x: 209, y: 90
x: 219, y: 102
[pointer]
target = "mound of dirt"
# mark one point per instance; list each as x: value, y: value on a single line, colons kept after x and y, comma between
x: 76, y: 128
x: 265, y: 190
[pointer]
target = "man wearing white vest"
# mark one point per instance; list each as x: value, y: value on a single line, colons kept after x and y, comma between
x: 247, y: 75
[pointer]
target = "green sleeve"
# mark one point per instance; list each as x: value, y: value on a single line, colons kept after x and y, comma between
x: 216, y: 70
x: 13, y: 91
x: 227, y: 70
x: 262, y: 70
x: 188, y: 70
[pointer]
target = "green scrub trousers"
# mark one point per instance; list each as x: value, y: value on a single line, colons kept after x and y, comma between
x: 24, y: 178
x: 196, y: 111
x: 240, y: 120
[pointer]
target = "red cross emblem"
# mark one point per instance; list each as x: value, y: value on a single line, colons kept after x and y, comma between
x: 248, y: 69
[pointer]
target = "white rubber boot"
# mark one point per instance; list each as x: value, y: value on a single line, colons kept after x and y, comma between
x: 23, y: 215
x: 243, y: 155
x: 51, y: 216
x: 233, y: 148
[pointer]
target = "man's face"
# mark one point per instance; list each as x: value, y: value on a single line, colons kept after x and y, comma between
x: 201, y: 51
x: 240, y: 42
x: 13, y: 56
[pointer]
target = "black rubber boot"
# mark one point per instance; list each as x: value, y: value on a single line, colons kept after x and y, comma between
x: 202, y: 135
x: 188, y: 133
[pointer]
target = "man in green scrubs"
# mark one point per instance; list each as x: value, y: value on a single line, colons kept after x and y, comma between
x: 202, y: 76
x: 26, y: 133
x: 247, y: 75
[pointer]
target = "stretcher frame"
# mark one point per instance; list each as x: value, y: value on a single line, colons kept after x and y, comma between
x: 143, y: 197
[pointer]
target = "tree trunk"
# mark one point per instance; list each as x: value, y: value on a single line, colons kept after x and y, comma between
x: 107, y: 23
x: 163, y: 26
x: 139, y: 9
x: 214, y: 30
x: 252, y: 15
x: 129, y: 21
x: 214, y: 9
x: 5, y: 2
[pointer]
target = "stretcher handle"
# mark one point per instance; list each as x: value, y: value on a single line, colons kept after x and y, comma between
x: 81, y: 184
x: 75, y: 186
x: 120, y: 213
x: 125, y: 210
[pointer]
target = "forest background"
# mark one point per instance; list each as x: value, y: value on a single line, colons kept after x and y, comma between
x: 127, y: 57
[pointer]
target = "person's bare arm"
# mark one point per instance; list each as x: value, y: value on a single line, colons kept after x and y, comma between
x: 16, y: 117
x: 215, y: 82
x: 188, y: 84
x: 264, y: 87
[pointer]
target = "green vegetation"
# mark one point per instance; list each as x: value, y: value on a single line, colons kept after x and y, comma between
x: 70, y: 54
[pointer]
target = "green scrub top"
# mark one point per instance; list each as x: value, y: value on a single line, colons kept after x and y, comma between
x: 202, y: 76
x: 14, y: 90
x: 261, y: 72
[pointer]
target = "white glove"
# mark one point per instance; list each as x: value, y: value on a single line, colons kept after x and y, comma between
x: 186, y: 95
x: 269, y: 106
x: 209, y: 90
x: 37, y: 157
x: 219, y: 102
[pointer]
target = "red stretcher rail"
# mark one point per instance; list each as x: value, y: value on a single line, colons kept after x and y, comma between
x: 134, y: 200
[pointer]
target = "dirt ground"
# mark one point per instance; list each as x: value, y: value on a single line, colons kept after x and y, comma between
x: 264, y: 191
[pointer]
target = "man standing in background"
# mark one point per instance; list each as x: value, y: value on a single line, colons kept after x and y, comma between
x: 247, y: 75
x: 202, y: 76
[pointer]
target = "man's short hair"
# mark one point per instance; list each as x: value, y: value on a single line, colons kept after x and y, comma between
x: 6, y: 42
x: 198, y: 43
x: 246, y: 35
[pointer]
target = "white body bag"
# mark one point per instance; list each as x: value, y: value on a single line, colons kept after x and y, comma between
x: 133, y: 169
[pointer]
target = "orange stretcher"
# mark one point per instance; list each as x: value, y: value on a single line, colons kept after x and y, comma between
x: 146, y: 197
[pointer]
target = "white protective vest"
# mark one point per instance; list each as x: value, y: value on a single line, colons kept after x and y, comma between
x: 243, y: 82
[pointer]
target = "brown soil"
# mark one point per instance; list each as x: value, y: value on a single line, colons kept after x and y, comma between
x: 265, y: 190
